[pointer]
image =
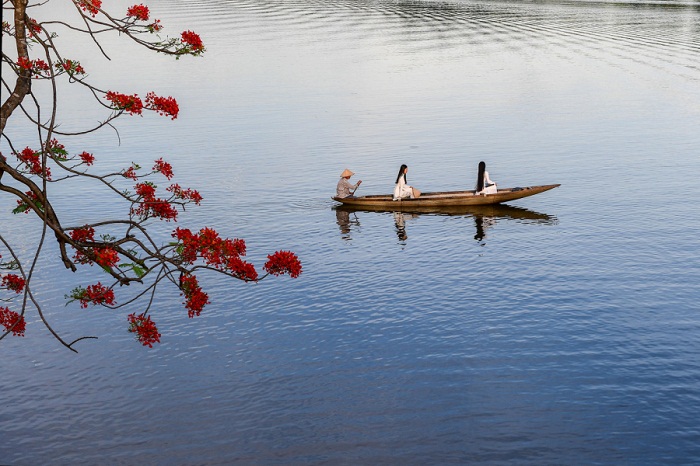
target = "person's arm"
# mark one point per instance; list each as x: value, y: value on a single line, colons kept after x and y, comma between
x: 487, y: 180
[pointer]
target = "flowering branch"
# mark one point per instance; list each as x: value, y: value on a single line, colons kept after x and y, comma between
x: 123, y: 250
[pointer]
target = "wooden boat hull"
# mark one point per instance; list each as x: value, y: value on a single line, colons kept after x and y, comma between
x: 443, y: 199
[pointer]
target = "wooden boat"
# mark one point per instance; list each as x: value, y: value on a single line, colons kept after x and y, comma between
x: 443, y: 199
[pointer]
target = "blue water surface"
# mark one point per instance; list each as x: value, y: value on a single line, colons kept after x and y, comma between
x: 561, y: 330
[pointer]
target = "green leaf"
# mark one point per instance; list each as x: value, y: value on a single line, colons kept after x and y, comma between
x: 137, y: 269
x: 20, y: 208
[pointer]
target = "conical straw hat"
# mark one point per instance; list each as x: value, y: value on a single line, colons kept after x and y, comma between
x: 346, y: 172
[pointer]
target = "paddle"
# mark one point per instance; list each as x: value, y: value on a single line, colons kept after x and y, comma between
x: 358, y: 187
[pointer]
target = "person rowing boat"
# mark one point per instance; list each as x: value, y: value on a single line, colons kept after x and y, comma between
x: 344, y: 188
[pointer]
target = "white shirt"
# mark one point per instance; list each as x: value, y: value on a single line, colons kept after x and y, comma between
x: 402, y: 190
x: 489, y: 186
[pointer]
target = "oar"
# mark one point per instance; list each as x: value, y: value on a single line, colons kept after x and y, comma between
x: 358, y: 187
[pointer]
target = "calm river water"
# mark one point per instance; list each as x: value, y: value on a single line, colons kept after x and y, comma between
x: 564, y: 329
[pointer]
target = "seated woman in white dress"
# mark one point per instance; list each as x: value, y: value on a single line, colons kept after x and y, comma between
x: 402, y: 190
x: 484, y: 185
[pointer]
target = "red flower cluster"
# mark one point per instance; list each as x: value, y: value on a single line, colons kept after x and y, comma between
x: 38, y: 67
x: 150, y: 206
x: 93, y: 294
x: 90, y: 6
x: 83, y: 234
x: 146, y: 190
x: 160, y: 209
x: 32, y: 160
x: 130, y: 173
x: 222, y: 254
x: 282, y: 262
x: 13, y: 282
x: 24, y: 63
x: 144, y: 328
x: 55, y: 149
x: 87, y: 158
x: 163, y: 167
x: 195, y: 298
x: 70, y: 66
x: 24, y: 207
x: 154, y: 26
x: 166, y: 106
x: 193, y: 42
x: 128, y: 103
x: 185, y: 194
x: 33, y: 27
x: 106, y: 257
x: 9, y: 318
x: 139, y: 12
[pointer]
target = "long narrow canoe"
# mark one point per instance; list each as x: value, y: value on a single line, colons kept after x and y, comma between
x: 443, y: 199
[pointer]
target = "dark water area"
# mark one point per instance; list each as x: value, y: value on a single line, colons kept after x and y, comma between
x: 560, y: 329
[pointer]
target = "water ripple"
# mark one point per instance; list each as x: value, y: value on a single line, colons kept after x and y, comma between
x: 559, y: 330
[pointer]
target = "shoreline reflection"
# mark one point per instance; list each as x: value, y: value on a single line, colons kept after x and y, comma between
x: 484, y: 217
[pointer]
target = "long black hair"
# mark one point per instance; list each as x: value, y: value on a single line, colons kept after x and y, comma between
x: 398, y: 177
x: 480, y: 177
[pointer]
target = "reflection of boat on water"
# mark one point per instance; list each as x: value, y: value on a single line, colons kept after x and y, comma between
x: 442, y: 199
x: 490, y: 211
x: 400, y: 224
x: 484, y: 216
x: 342, y: 218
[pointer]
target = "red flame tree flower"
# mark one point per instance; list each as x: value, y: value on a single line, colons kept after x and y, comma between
x: 123, y: 250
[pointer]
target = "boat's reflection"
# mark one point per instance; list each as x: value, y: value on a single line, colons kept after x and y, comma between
x: 484, y: 217
x: 346, y: 222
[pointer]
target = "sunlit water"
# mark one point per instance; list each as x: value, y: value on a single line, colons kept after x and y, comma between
x: 561, y: 330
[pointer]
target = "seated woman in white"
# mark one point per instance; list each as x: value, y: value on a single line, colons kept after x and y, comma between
x: 484, y: 185
x: 402, y: 190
